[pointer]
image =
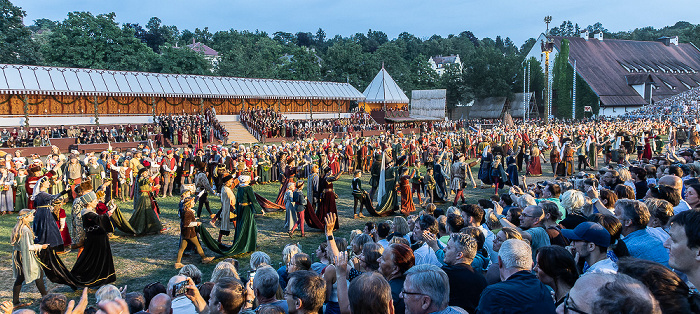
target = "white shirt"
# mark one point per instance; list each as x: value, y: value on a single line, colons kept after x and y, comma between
x: 426, y: 255
x: 606, y: 266
x: 384, y: 243
x: 682, y: 206
x: 182, y: 304
x: 488, y: 243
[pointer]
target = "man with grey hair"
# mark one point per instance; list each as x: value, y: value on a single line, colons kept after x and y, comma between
x: 520, y: 291
x: 427, y: 290
x: 265, y: 285
x: 466, y: 284
x: 531, y: 226
x: 634, y: 217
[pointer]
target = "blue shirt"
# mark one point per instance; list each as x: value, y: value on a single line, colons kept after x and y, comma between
x: 520, y: 293
x: 644, y: 245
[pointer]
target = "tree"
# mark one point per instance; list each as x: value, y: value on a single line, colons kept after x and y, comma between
x: 86, y: 41
x: 490, y: 73
x: 304, y: 64
x: 304, y: 39
x: 43, y: 24
x: 285, y: 38
x: 562, y: 85
x: 16, y: 44
x: 345, y: 61
x: 422, y: 75
x: 159, y: 34
x: 181, y: 60
x: 452, y: 80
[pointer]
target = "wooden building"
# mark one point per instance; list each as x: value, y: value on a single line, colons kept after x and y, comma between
x: 37, y: 91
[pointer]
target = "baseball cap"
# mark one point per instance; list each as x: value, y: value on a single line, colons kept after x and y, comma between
x: 589, y: 232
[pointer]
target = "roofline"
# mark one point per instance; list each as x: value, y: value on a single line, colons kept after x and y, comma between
x: 359, y: 96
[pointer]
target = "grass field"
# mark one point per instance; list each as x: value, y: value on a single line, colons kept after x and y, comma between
x: 146, y: 259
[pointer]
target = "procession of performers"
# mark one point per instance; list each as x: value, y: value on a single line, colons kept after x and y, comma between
x: 433, y: 167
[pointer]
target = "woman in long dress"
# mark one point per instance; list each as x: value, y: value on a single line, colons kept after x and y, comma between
x: 228, y: 203
x: 327, y: 203
x: 145, y: 219
x: 485, y: 167
x: 25, y: 265
x: 407, y: 206
x: 246, y: 229
x: 95, y: 266
x: 21, y: 198
x: 534, y: 168
x: 290, y: 171
x: 290, y: 214
x: 7, y: 180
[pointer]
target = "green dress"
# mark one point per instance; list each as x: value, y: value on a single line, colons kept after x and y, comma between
x: 21, y: 200
x: 389, y: 201
x: 145, y: 219
x: 246, y: 229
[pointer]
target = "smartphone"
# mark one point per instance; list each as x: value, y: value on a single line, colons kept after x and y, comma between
x: 251, y: 274
x: 180, y: 288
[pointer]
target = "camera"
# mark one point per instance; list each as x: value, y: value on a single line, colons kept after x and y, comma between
x: 180, y: 288
x: 251, y: 274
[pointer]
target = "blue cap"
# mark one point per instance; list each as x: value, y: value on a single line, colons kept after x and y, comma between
x: 589, y: 232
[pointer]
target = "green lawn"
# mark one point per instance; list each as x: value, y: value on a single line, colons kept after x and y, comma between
x: 143, y: 260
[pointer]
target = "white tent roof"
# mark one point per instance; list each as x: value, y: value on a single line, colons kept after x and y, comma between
x: 383, y: 89
x: 23, y: 79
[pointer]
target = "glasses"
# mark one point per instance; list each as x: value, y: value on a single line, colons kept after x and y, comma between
x: 526, y: 215
x: 404, y: 293
x: 571, y: 308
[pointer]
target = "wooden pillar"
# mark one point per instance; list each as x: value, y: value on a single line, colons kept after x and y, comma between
x: 201, y: 106
x: 153, y: 108
x: 311, y: 109
x: 25, y: 99
x: 97, y: 116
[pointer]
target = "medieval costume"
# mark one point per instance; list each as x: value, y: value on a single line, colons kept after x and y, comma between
x: 25, y: 265
x: 535, y: 166
x: 145, y: 219
x: 45, y: 227
x: 188, y: 232
x: 228, y: 204
x: 246, y: 229
x: 512, y: 171
x: 289, y: 174
x: 21, y: 198
x: 95, y: 266
x: 407, y: 206
x: 7, y: 180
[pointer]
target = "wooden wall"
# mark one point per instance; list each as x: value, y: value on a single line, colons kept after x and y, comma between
x: 13, y: 105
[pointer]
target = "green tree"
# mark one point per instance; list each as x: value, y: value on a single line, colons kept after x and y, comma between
x: 452, y: 80
x: 562, y: 83
x: 248, y: 55
x: 345, y: 61
x: 87, y: 41
x: 423, y: 76
x: 303, y: 64
x: 158, y: 34
x: 16, y: 44
x: 181, y: 60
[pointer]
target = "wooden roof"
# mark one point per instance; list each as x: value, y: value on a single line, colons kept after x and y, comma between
x: 611, y: 66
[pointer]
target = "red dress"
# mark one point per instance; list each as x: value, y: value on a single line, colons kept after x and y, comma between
x: 327, y: 204
x: 65, y: 235
x: 407, y: 206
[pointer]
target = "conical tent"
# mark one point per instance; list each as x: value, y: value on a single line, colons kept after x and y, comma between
x: 384, y: 91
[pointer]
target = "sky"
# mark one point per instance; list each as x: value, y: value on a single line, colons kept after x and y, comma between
x: 517, y: 19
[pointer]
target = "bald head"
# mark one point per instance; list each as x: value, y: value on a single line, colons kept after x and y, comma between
x: 173, y: 281
x: 160, y: 304
x: 585, y: 290
x: 672, y: 181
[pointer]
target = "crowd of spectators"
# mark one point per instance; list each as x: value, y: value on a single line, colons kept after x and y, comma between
x: 41, y: 136
x: 189, y: 129
x: 685, y: 104
x: 267, y: 123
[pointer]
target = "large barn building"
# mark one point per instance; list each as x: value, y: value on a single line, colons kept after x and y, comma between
x: 628, y: 74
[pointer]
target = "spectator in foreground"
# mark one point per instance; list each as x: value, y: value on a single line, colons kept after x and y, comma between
x: 427, y: 290
x: 53, y: 303
x: 227, y: 297
x: 589, y: 242
x: 265, y: 285
x: 520, y: 291
x: 684, y: 245
x: 465, y: 284
x: 305, y: 292
x: 556, y: 268
x: 393, y: 264
x: 634, y: 217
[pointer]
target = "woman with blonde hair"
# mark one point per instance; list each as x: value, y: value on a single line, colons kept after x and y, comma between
x: 25, y: 265
x: 573, y: 202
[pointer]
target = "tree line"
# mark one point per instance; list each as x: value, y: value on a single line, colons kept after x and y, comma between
x: 490, y: 67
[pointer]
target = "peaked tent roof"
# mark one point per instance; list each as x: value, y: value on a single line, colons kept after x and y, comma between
x: 383, y: 89
x: 24, y: 79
